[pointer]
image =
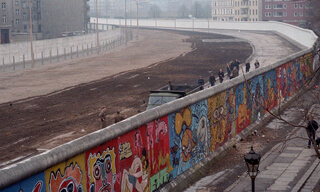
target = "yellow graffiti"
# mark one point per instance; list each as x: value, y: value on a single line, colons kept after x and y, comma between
x: 217, y: 119
x: 184, y: 117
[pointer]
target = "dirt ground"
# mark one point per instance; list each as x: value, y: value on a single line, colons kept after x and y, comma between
x: 46, y: 107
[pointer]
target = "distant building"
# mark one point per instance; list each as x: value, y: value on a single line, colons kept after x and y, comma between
x: 288, y: 11
x: 248, y: 10
x: 223, y: 10
x: 50, y: 18
x: 60, y: 16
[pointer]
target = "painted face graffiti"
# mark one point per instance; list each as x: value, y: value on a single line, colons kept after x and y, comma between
x: 102, y: 171
x: 70, y: 182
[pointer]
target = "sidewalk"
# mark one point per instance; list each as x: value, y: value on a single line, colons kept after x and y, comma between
x: 289, y: 166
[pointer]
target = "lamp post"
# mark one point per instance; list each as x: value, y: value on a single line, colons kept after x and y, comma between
x: 252, y: 160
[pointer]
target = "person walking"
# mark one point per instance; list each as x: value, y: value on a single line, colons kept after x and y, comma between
x: 201, y: 82
x: 235, y: 72
x: 102, y: 116
x: 311, y: 129
x: 221, y: 75
x: 257, y: 64
x: 229, y: 69
x: 118, y: 117
x: 237, y: 64
x: 212, y: 79
x: 247, y: 67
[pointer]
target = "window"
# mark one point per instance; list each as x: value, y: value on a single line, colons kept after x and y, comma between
x: 285, y: 14
x: 24, y: 16
x: 268, y: 6
x: 17, y: 2
x: 4, y: 18
x: 3, y: 5
x: 301, y: 6
x: 17, y: 21
x: 296, y: 6
x: 268, y: 14
x: 285, y: 6
x: 301, y: 14
x: 277, y: 14
x: 278, y: 6
x: 25, y: 28
x: 296, y: 14
x: 17, y: 11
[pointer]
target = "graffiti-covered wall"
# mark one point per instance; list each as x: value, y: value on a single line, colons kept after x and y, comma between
x: 148, y: 156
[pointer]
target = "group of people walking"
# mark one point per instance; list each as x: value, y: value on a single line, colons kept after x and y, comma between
x: 233, y: 68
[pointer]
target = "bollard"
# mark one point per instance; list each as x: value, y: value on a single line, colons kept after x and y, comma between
x: 50, y: 56
x: 24, y: 62
x: 65, y: 55
x: 58, y: 54
x: 14, y: 63
x: 77, y: 52
x: 42, y: 58
x: 71, y: 51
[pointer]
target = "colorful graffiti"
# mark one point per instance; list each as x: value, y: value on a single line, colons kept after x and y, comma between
x: 68, y: 176
x: 257, y: 98
x: 243, y: 106
x: 217, y: 120
x: 270, y: 90
x: 188, y: 130
x: 101, y: 168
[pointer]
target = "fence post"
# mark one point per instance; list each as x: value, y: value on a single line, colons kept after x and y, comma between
x: 65, y: 55
x: 71, y: 51
x: 14, y: 64
x: 91, y: 49
x: 77, y: 52
x: 50, y: 56
x: 87, y: 49
x: 3, y: 64
x: 58, y: 54
x: 24, y: 62
x: 42, y: 58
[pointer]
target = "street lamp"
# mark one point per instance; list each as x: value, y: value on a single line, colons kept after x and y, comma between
x: 252, y: 160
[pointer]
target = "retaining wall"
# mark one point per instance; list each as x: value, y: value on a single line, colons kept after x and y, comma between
x: 146, y: 151
x: 304, y: 37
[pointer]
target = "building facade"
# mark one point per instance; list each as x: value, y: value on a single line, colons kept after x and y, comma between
x: 292, y: 12
x: 222, y: 10
x: 247, y: 10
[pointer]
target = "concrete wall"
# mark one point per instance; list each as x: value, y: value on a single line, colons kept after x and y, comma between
x: 153, y: 148
x: 146, y: 151
x: 17, y: 50
x: 303, y: 36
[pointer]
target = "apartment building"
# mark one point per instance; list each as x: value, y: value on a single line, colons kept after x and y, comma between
x: 248, y: 10
x: 288, y: 11
x: 222, y: 10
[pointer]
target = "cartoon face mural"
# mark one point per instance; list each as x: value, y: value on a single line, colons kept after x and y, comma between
x: 189, y: 139
x: 270, y: 90
x: 217, y: 120
x: 69, y: 182
x: 243, y: 107
x: 102, y: 170
x: 257, y: 98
